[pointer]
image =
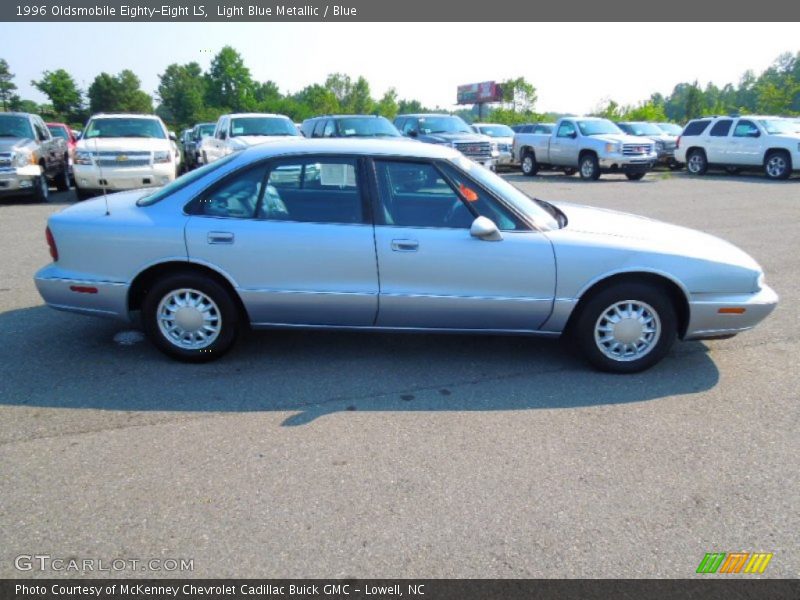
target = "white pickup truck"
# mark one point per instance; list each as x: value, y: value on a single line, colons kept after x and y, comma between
x: 589, y: 145
x: 736, y: 143
x: 237, y: 131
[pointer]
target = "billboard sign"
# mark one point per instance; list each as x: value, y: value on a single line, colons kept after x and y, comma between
x: 477, y: 93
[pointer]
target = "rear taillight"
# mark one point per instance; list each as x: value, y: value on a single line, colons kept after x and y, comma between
x: 678, y: 142
x: 51, y: 243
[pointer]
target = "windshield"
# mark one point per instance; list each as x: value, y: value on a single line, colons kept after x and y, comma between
x: 778, y: 126
x: 262, y: 126
x: 184, y: 180
x: 443, y: 125
x: 524, y: 204
x: 58, y: 131
x: 12, y: 126
x: 641, y: 129
x: 598, y: 127
x: 671, y: 128
x: 205, y: 130
x: 496, y: 130
x: 122, y: 127
x: 366, y: 127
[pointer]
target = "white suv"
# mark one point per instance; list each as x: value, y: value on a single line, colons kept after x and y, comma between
x: 737, y: 143
x: 123, y: 152
x: 238, y: 131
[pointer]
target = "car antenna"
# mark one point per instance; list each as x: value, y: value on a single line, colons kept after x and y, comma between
x: 102, y: 179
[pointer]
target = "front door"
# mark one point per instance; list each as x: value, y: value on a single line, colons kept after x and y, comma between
x: 294, y: 238
x: 434, y: 274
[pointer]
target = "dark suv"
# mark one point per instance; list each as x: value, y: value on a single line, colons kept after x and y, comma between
x: 338, y: 126
x: 452, y: 131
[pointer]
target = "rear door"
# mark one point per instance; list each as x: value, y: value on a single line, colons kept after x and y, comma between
x: 718, y: 146
x: 296, y: 239
x: 434, y: 274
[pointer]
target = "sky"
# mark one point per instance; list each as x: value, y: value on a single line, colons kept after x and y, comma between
x: 574, y: 66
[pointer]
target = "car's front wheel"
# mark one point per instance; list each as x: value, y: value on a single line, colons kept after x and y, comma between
x: 634, y: 176
x: 778, y: 165
x: 626, y: 328
x: 63, y: 179
x: 589, y: 167
x: 190, y: 317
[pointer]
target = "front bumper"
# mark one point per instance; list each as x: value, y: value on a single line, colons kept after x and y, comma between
x: 90, y: 177
x: 505, y: 159
x: 628, y: 164
x: 741, y: 312
x: 19, y: 180
x: 96, y: 298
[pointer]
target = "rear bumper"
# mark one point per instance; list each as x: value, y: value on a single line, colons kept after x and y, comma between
x: 96, y: 298
x: 743, y: 312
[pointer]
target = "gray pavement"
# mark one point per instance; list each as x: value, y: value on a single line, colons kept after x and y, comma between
x: 305, y: 454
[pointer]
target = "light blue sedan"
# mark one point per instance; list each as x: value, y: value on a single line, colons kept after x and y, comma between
x: 397, y: 236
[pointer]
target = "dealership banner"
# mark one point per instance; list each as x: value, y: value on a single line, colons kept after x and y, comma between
x: 385, y: 589
x: 407, y: 11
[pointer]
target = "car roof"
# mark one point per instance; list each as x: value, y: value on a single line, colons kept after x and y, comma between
x: 345, y: 117
x: 124, y: 115
x: 252, y: 114
x: 490, y: 125
x: 54, y: 124
x: 418, y: 115
x: 344, y: 146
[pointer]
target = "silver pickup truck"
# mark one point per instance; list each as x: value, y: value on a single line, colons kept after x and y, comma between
x: 589, y: 145
x: 31, y: 157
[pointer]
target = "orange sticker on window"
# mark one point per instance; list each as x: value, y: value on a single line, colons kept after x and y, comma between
x: 468, y: 193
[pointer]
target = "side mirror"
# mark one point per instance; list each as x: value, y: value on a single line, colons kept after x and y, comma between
x: 573, y: 135
x: 413, y: 133
x: 485, y: 229
x: 172, y: 136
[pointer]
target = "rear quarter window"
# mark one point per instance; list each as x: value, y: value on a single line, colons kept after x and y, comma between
x: 695, y: 127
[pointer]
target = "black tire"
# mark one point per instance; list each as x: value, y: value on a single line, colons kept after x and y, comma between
x: 696, y: 162
x: 634, y: 176
x: 41, y: 190
x: 63, y: 179
x: 778, y: 165
x: 528, y: 164
x: 222, y: 310
x: 675, y: 166
x: 83, y: 194
x: 570, y: 172
x: 589, y: 167
x: 602, y: 303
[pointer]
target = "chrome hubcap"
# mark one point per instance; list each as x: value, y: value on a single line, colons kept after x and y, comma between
x: 527, y: 164
x: 776, y: 166
x: 587, y: 168
x: 43, y: 185
x: 627, y: 330
x: 695, y: 163
x: 189, y: 319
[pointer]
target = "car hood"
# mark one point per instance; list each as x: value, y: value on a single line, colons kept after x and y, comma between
x: 623, y: 138
x: 252, y: 140
x: 124, y: 145
x: 11, y: 144
x: 455, y: 137
x: 644, y: 234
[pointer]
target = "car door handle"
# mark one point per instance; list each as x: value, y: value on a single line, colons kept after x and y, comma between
x: 405, y: 245
x: 220, y: 237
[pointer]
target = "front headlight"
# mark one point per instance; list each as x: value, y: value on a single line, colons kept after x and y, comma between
x: 23, y: 158
x: 659, y: 145
x: 83, y: 157
x: 760, y: 282
x: 162, y: 157
x: 612, y: 148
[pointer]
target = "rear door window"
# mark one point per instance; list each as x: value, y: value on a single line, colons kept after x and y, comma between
x: 721, y: 128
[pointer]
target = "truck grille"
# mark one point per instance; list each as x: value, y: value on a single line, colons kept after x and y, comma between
x: 122, y: 159
x: 475, y: 150
x: 636, y: 149
x: 5, y: 160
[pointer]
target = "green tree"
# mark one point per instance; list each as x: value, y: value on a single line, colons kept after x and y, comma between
x: 182, y: 92
x: 520, y: 94
x: 405, y: 107
x: 694, y: 102
x: 387, y: 106
x: 229, y: 83
x: 7, y: 86
x: 360, y: 100
x: 61, y: 88
x: 340, y: 86
x: 315, y: 100
x: 18, y: 104
x: 118, y: 93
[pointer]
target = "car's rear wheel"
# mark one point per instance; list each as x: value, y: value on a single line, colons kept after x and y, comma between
x: 634, y: 176
x: 570, y: 172
x: 626, y: 328
x: 589, y: 167
x: 696, y: 162
x: 778, y: 165
x: 190, y: 317
x: 529, y: 165
x: 63, y: 179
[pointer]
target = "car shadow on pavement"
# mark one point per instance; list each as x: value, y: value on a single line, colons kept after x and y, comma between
x: 59, y: 360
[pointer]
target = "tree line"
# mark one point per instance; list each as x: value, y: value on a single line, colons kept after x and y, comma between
x: 186, y: 95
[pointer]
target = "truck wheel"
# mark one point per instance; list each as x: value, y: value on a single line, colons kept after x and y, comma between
x: 62, y: 181
x: 675, y: 166
x: 696, y: 162
x: 529, y: 165
x: 626, y: 328
x: 778, y: 165
x: 634, y: 176
x: 570, y: 172
x: 190, y: 317
x: 589, y: 167
x: 41, y: 189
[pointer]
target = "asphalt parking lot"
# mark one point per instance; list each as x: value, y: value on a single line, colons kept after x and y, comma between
x: 305, y: 454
